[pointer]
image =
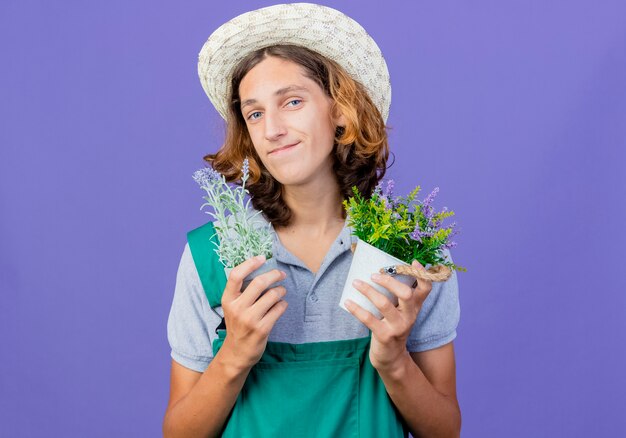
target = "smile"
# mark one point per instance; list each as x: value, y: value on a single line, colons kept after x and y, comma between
x: 283, y: 149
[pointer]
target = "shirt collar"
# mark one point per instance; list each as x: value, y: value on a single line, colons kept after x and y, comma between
x: 342, y: 243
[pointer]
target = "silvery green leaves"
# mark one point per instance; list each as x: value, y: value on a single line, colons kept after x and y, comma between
x: 242, y: 233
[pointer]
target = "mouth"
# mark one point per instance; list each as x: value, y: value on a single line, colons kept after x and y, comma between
x: 283, y: 149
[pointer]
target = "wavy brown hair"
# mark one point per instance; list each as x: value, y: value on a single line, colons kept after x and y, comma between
x: 360, y: 151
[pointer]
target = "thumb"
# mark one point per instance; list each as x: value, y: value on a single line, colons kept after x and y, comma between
x: 238, y: 274
x: 417, y: 265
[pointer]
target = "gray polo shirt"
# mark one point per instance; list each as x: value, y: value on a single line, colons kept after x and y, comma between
x: 313, y: 314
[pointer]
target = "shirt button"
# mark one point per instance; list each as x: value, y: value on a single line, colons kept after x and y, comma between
x: 313, y: 298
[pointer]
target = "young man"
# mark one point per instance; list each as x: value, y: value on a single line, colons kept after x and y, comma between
x: 305, y: 93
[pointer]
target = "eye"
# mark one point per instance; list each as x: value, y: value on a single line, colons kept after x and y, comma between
x: 253, y: 116
x: 294, y: 100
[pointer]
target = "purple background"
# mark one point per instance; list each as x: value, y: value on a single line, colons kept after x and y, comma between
x: 516, y: 110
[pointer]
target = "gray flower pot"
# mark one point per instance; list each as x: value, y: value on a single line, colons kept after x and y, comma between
x: 265, y: 267
x: 366, y: 261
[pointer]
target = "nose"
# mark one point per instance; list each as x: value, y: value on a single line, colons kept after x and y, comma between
x: 274, y: 126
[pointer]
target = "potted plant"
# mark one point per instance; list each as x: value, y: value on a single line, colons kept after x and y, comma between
x: 392, y: 232
x: 241, y: 234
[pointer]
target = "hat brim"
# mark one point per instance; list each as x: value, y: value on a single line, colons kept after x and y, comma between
x: 319, y: 28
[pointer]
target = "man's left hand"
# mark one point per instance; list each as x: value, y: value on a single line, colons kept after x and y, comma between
x: 389, y: 334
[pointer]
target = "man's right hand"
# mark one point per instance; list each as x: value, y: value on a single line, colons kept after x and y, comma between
x: 249, y: 319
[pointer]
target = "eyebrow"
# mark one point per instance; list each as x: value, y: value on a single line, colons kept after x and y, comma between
x: 279, y: 92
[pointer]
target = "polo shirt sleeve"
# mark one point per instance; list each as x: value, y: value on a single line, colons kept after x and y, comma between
x: 191, y: 324
x: 439, y: 316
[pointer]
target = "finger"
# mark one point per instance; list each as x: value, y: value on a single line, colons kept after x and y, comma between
x: 259, y: 285
x: 367, y: 318
x: 265, y: 303
x: 272, y: 315
x: 382, y: 303
x: 404, y: 293
x: 238, y: 274
x: 423, y: 287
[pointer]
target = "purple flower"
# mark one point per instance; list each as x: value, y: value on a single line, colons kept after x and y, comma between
x: 390, y: 203
x: 448, y: 245
x: 378, y: 190
x: 454, y: 232
x: 246, y: 168
x: 385, y: 195
x: 429, y: 198
x: 428, y: 211
x: 416, y: 234
x: 389, y: 189
x: 206, y: 176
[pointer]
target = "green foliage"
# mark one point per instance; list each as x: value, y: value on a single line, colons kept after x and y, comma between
x: 402, y: 227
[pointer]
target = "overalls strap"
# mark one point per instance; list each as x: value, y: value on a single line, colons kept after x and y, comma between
x: 202, y: 242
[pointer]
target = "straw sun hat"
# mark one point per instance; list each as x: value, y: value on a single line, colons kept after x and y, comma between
x: 319, y: 28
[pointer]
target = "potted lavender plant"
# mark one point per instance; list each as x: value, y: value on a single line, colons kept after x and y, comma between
x: 392, y: 232
x: 241, y: 233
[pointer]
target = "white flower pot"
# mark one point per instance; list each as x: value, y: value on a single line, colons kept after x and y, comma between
x: 366, y: 261
x: 265, y: 267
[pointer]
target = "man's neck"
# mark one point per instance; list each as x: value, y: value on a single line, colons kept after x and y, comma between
x: 316, y: 211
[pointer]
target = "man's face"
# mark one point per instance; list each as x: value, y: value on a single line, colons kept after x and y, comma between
x: 289, y: 121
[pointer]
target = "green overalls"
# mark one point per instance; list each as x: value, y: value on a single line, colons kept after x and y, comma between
x: 319, y: 389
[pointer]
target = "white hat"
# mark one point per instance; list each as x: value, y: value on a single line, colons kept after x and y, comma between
x: 319, y: 28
